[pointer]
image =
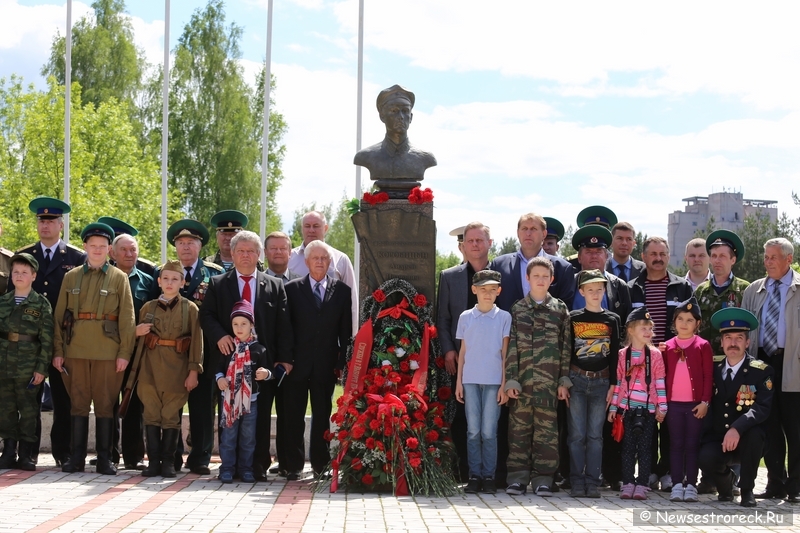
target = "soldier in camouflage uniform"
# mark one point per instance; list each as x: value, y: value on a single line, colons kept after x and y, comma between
x: 26, y: 347
x: 722, y: 289
x: 537, y: 369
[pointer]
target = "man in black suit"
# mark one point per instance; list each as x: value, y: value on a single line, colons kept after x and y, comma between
x: 621, y: 264
x: 55, y: 258
x: 273, y: 329
x: 531, y: 231
x: 320, y: 312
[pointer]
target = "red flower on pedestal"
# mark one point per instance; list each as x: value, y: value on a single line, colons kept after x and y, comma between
x: 420, y: 196
x: 377, y: 198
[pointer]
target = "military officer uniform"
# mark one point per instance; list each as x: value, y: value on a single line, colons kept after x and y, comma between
x: 742, y: 400
x: 598, y: 215
x: 123, y: 228
x: 104, y: 330
x: 232, y: 222
x: 554, y: 231
x: 710, y: 297
x: 202, y: 400
x: 53, y: 265
x: 26, y: 347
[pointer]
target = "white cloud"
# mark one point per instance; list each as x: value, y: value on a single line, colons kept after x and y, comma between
x: 731, y: 48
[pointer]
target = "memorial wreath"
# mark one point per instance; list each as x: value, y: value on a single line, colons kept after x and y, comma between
x: 392, y: 418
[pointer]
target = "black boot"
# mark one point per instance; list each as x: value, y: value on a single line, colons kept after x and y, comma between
x: 169, y: 441
x: 103, y: 439
x: 25, y: 461
x: 76, y: 462
x: 725, y: 486
x: 9, y: 457
x: 153, y: 434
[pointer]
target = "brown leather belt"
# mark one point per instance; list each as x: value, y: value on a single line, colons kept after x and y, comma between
x: 18, y: 337
x: 164, y: 342
x: 590, y: 373
x: 93, y: 316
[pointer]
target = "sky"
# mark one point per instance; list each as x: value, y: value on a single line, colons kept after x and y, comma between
x: 528, y: 106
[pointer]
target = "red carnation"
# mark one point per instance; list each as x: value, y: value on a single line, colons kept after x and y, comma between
x: 432, y: 331
x: 404, y: 366
x: 444, y: 393
x: 415, y: 462
x: 390, y: 349
x: 431, y: 450
x: 379, y: 445
x: 382, y: 197
x: 379, y: 296
x: 343, y: 434
x: 370, y: 444
x: 437, y: 420
x: 358, y: 431
x: 417, y: 426
x: 439, y: 362
x: 394, y: 377
x: 419, y: 415
x: 387, y: 432
x: 366, y: 479
x: 374, y: 424
x: 432, y: 436
x: 327, y: 435
x: 405, y: 341
x: 420, y: 300
x: 356, y: 464
x: 412, y: 443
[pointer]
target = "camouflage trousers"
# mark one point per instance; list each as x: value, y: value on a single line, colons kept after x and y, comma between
x: 19, y: 408
x: 532, y: 443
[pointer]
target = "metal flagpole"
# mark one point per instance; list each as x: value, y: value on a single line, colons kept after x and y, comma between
x: 164, y: 135
x: 67, y: 118
x: 265, y: 133
x: 359, y: 92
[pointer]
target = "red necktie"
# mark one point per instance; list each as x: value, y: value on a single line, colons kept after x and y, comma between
x: 246, y: 290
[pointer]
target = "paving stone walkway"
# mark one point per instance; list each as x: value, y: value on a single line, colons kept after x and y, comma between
x: 49, y: 500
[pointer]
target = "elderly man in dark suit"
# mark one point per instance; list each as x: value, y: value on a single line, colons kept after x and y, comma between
x: 273, y: 328
x: 320, y: 312
x: 455, y: 297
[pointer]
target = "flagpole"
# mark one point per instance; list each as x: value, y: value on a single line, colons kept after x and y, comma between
x: 359, y: 97
x: 164, y: 135
x: 67, y: 115
x: 265, y: 132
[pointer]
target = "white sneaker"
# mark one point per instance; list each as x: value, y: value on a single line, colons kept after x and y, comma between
x: 666, y: 483
x: 677, y: 493
x: 689, y: 494
x: 652, y: 481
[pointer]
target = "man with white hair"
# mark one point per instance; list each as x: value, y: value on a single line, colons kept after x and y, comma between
x: 319, y: 309
x: 315, y: 227
x: 774, y: 300
x: 273, y: 329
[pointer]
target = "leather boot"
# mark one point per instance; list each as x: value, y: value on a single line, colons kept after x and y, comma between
x: 25, y: 461
x: 76, y: 462
x: 9, y: 457
x: 169, y: 441
x: 104, y: 432
x: 725, y: 486
x: 153, y: 434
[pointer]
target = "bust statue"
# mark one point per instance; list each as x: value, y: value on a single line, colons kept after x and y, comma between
x: 395, y: 165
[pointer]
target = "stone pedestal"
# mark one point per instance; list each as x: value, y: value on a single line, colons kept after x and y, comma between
x: 398, y: 240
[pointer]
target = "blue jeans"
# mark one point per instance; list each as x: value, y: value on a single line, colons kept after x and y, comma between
x: 241, y: 438
x: 587, y: 413
x: 483, y: 412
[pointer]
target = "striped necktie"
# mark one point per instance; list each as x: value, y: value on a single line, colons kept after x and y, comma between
x: 770, y: 318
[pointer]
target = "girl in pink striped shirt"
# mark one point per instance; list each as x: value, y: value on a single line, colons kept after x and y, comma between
x: 641, y: 398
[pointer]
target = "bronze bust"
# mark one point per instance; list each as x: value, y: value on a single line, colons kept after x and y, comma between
x: 395, y: 164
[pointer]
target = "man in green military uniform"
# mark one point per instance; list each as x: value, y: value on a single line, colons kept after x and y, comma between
x: 739, y: 407
x: 93, y: 344
x: 5, y: 266
x: 723, y: 289
x: 555, y: 232
x: 55, y: 258
x: 121, y: 227
x: 26, y: 347
x: 537, y: 376
x: 189, y: 237
x: 598, y: 215
x: 228, y: 223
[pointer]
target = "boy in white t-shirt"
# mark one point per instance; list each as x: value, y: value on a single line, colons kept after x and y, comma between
x: 483, y: 331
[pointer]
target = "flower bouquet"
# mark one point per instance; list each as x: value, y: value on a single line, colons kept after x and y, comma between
x: 392, y: 418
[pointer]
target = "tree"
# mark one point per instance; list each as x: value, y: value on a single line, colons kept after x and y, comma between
x: 638, y: 250
x: 757, y: 229
x: 444, y: 262
x: 109, y: 175
x: 105, y: 61
x: 341, y: 233
x: 215, y: 123
x: 566, y: 249
x: 296, y: 234
x: 711, y: 227
x: 508, y: 246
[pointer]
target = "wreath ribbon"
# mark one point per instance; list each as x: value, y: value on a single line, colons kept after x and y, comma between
x: 397, y: 310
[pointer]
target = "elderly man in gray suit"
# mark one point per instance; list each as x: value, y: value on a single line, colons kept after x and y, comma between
x: 455, y: 297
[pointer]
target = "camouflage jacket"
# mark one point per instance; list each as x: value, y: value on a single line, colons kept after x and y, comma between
x: 32, y: 317
x: 711, y: 302
x: 539, y: 349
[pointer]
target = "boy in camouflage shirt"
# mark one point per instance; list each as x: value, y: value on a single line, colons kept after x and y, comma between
x: 26, y: 347
x: 537, y: 369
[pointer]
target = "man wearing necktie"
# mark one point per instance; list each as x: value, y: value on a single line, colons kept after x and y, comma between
x: 740, y: 407
x: 189, y: 237
x: 775, y: 301
x: 273, y: 329
x: 621, y: 264
x: 63, y: 258
x: 320, y: 312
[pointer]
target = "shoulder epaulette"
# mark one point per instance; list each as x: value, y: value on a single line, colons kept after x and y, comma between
x: 6, y: 252
x: 209, y: 259
x: 719, y: 358
x: 75, y: 248
x: 147, y: 262
x: 213, y: 266
x: 757, y: 363
x: 26, y: 247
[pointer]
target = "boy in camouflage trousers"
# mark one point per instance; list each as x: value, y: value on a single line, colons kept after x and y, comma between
x: 537, y: 370
x: 26, y: 347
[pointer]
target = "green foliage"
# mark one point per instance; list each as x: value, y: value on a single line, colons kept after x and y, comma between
x: 341, y: 232
x: 443, y: 262
x: 710, y: 228
x: 296, y: 234
x: 508, y: 246
x: 105, y: 60
x: 757, y: 230
x: 637, y: 251
x: 109, y: 175
x: 566, y: 249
